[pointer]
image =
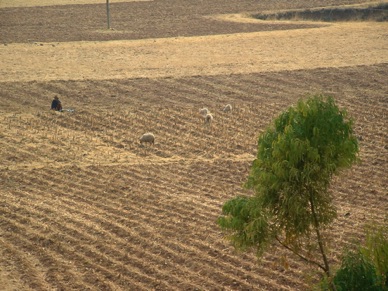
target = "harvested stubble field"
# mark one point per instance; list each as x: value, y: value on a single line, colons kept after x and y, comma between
x: 84, y: 207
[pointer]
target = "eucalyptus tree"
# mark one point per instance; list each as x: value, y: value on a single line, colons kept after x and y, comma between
x: 297, y: 157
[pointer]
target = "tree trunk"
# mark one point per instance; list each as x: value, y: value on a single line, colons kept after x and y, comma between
x: 320, y: 243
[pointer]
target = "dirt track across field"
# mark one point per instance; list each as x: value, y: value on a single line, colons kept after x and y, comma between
x: 84, y: 206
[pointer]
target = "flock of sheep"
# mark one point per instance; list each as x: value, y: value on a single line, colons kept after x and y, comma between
x: 149, y: 137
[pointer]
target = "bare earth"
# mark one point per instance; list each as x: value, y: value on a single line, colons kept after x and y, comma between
x: 84, y: 206
x: 33, y: 3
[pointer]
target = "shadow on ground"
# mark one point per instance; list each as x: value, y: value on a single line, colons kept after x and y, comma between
x: 371, y: 13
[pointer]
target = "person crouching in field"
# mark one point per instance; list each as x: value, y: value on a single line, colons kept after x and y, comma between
x: 56, y: 104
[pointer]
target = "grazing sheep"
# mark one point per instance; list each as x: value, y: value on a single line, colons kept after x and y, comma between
x: 204, y: 111
x: 208, y: 118
x: 228, y: 108
x: 147, y: 137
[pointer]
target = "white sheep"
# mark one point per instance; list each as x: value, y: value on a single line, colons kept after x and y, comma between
x: 208, y: 118
x: 227, y: 108
x: 204, y: 111
x: 147, y: 137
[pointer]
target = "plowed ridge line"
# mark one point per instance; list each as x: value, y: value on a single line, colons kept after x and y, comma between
x: 106, y: 208
x: 36, y: 245
x: 117, y: 219
x: 147, y: 215
x: 146, y: 218
x: 88, y: 253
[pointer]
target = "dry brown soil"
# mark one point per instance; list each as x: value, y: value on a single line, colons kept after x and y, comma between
x: 83, y: 206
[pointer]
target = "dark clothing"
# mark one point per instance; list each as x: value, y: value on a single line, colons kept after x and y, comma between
x: 56, y: 105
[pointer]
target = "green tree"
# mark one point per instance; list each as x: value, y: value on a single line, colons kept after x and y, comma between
x: 376, y: 250
x: 296, y: 159
x: 356, y: 273
x: 366, y: 267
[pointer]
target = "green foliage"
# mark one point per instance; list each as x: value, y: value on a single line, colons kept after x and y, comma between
x: 296, y: 159
x: 247, y: 223
x: 376, y: 250
x: 356, y: 273
x: 366, y: 267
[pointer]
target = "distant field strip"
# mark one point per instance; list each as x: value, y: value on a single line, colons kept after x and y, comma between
x: 337, y: 45
x: 32, y: 3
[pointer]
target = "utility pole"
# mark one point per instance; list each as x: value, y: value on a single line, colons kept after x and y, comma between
x: 108, y: 13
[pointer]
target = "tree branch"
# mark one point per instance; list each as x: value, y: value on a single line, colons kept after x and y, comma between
x: 299, y: 255
x: 321, y: 248
x: 316, y: 226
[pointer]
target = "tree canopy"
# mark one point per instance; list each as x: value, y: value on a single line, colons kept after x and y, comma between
x: 297, y: 157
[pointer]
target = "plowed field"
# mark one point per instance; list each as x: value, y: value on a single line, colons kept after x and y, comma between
x: 84, y: 206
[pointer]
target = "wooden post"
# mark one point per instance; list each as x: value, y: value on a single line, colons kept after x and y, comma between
x: 108, y: 13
